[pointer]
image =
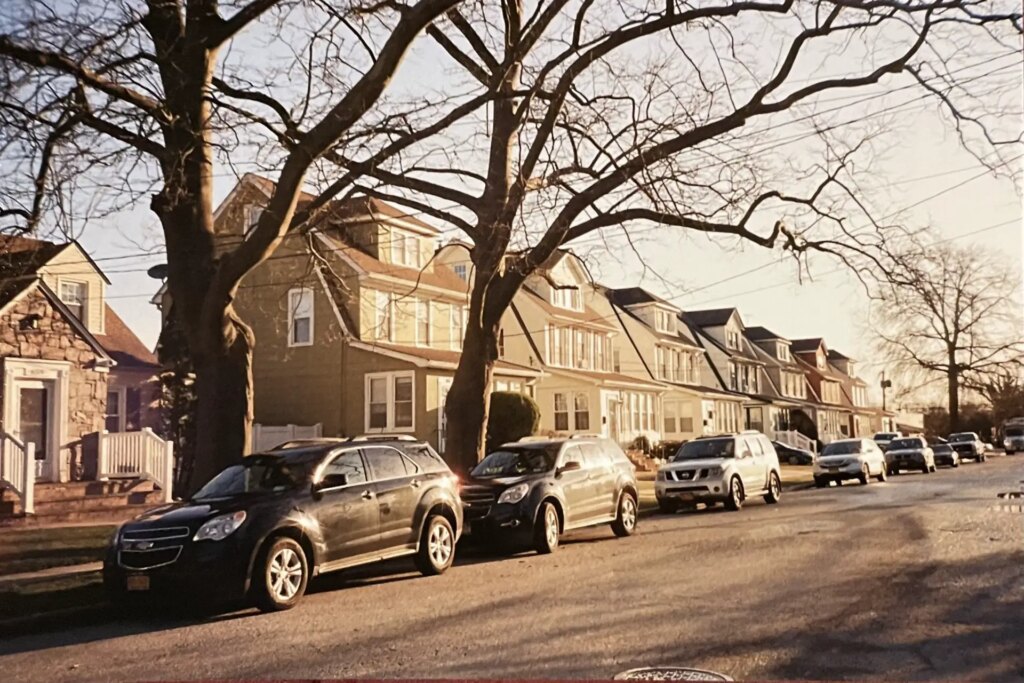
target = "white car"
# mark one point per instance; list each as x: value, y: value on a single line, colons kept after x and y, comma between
x: 859, y: 459
x: 729, y: 469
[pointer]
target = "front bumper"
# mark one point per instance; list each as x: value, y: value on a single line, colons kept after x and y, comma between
x: 1015, y: 445
x: 207, y: 571
x: 499, y: 522
x: 826, y: 473
x: 698, y: 490
x: 913, y: 461
x: 946, y: 459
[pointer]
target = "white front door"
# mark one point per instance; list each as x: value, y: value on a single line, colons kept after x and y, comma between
x: 613, y: 413
x: 35, y: 422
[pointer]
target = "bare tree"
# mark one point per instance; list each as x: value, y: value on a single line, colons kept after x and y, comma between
x: 611, y: 115
x: 956, y: 319
x: 117, y: 96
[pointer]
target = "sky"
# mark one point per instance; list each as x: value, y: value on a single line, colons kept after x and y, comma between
x: 918, y: 171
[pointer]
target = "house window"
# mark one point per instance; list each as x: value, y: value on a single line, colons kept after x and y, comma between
x: 582, y: 412
x: 561, y: 413
x: 457, y: 327
x: 461, y: 271
x: 73, y: 295
x: 661, y: 362
x: 566, y: 297
x: 422, y: 322
x: 405, y: 249
x: 732, y: 339
x: 251, y: 216
x: 582, y: 357
x: 501, y: 342
x: 600, y: 357
x: 782, y: 352
x: 115, y: 410
x: 383, y: 316
x: 732, y: 376
x: 821, y: 360
x: 616, y: 361
x: 300, y: 317
x: 669, y: 417
x: 389, y: 401
x: 664, y: 321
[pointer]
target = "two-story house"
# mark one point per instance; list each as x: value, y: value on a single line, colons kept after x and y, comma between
x: 834, y: 409
x: 358, y: 326
x: 70, y: 368
x: 657, y: 344
x: 553, y: 326
x: 855, y: 391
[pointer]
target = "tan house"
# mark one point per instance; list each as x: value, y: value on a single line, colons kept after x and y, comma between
x: 78, y: 388
x: 834, y: 409
x: 358, y: 327
x: 657, y: 345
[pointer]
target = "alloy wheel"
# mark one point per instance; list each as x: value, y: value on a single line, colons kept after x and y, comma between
x: 551, y: 526
x: 440, y: 545
x: 628, y: 512
x: 284, y: 574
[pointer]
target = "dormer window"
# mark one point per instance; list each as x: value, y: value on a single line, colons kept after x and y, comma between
x: 566, y: 297
x: 461, y: 271
x: 251, y: 216
x: 664, y: 321
x: 821, y: 360
x: 732, y: 339
x: 783, y: 352
x: 405, y: 249
x: 73, y: 295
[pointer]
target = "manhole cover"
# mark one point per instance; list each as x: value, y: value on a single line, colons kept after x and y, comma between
x: 670, y: 673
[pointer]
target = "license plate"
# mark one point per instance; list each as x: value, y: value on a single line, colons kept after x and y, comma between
x: 138, y: 582
x: 833, y: 469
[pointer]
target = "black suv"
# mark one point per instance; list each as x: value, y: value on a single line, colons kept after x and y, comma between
x: 261, y: 529
x: 531, y: 491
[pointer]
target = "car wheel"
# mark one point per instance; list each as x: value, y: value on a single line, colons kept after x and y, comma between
x: 820, y: 483
x: 925, y: 469
x: 984, y: 458
x: 437, y: 547
x: 283, y: 576
x: 545, y: 533
x: 882, y: 474
x: 735, y: 500
x: 934, y: 467
x: 668, y: 506
x: 625, y: 519
x: 774, y: 489
x: 956, y: 462
x: 865, y: 476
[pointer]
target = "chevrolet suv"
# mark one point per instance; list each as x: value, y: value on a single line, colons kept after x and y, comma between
x: 263, y: 528
x: 720, y: 469
x: 968, y: 445
x: 532, y: 491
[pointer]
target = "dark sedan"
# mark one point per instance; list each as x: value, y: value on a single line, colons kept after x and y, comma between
x: 792, y: 455
x: 945, y: 455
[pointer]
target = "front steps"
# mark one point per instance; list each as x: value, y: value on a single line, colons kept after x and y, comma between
x: 81, y: 502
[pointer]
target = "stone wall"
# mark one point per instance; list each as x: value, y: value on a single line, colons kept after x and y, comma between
x: 56, y: 340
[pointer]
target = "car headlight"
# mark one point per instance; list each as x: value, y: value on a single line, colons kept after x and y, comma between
x: 220, y: 527
x: 714, y: 471
x: 514, y: 494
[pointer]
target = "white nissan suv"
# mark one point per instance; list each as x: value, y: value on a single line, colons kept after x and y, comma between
x: 712, y: 469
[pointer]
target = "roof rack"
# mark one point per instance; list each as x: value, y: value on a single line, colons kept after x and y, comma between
x: 529, y: 439
x: 382, y: 437
x: 586, y: 435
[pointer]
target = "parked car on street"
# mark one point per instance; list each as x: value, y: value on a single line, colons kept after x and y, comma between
x: 263, y: 528
x: 945, y: 455
x: 968, y: 445
x: 1013, y: 435
x: 844, y: 459
x: 910, y: 453
x: 883, y: 439
x: 793, y: 455
x: 725, y: 469
x: 532, y: 491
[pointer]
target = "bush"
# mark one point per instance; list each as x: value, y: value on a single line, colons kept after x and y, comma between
x: 642, y: 444
x: 512, y: 416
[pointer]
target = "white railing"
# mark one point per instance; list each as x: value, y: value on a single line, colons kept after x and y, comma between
x: 796, y: 440
x: 265, y: 437
x: 137, y: 454
x: 18, y: 469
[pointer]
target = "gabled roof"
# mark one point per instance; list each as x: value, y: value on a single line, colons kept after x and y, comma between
x: 633, y: 296
x: 122, y: 345
x: 809, y: 345
x: 835, y: 355
x: 711, y: 317
x: 21, y: 256
x: 758, y: 333
x: 440, y: 275
x: 587, y: 316
x: 701, y: 335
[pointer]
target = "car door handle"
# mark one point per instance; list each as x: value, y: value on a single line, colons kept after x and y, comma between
x: 415, y: 483
x: 367, y: 495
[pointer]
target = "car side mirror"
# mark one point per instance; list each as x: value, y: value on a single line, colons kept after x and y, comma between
x: 332, y: 481
x: 570, y: 466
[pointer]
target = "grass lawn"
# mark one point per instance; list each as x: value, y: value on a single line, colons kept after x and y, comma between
x: 28, y: 598
x: 34, y: 549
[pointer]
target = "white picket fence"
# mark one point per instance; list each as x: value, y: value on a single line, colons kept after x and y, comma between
x: 18, y: 469
x: 140, y: 454
x: 796, y: 440
x: 265, y: 437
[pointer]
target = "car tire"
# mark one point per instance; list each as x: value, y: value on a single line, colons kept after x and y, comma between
x: 956, y: 463
x: 668, y: 506
x: 735, y: 500
x: 935, y: 468
x: 925, y: 469
x: 546, y: 531
x: 820, y: 483
x: 437, y: 547
x: 882, y: 473
x: 774, y: 489
x: 983, y: 458
x: 625, y: 519
x: 279, y: 567
x: 865, y: 476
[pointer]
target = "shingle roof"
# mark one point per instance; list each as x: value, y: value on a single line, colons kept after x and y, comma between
x: 587, y: 316
x: 438, y: 275
x: 21, y: 256
x: 631, y: 296
x: 12, y: 287
x: 122, y: 344
x: 711, y: 317
x: 806, y: 345
x: 835, y: 355
x: 758, y: 333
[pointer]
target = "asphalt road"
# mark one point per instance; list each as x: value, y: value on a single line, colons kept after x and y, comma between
x: 918, y: 578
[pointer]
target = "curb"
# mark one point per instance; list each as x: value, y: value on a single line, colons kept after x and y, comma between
x: 70, y: 617
x: 52, y: 573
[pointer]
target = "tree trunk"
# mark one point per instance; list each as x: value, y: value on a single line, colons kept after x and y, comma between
x: 468, y: 402
x: 224, y: 391
x: 953, y: 386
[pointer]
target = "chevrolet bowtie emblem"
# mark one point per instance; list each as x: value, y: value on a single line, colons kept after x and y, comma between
x: 142, y: 545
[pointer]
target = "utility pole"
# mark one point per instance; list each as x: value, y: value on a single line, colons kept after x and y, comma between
x: 886, y: 383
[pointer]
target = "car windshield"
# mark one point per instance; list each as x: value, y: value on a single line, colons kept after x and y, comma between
x: 885, y: 436
x: 897, y: 444
x: 841, y: 448
x: 705, y: 448
x: 256, y: 474
x: 963, y: 436
x: 942, y: 448
x: 1015, y: 431
x: 508, y: 461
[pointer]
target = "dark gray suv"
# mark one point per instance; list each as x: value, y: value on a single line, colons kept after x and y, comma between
x: 530, y: 492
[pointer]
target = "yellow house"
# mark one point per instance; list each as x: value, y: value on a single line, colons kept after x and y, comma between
x: 357, y: 327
